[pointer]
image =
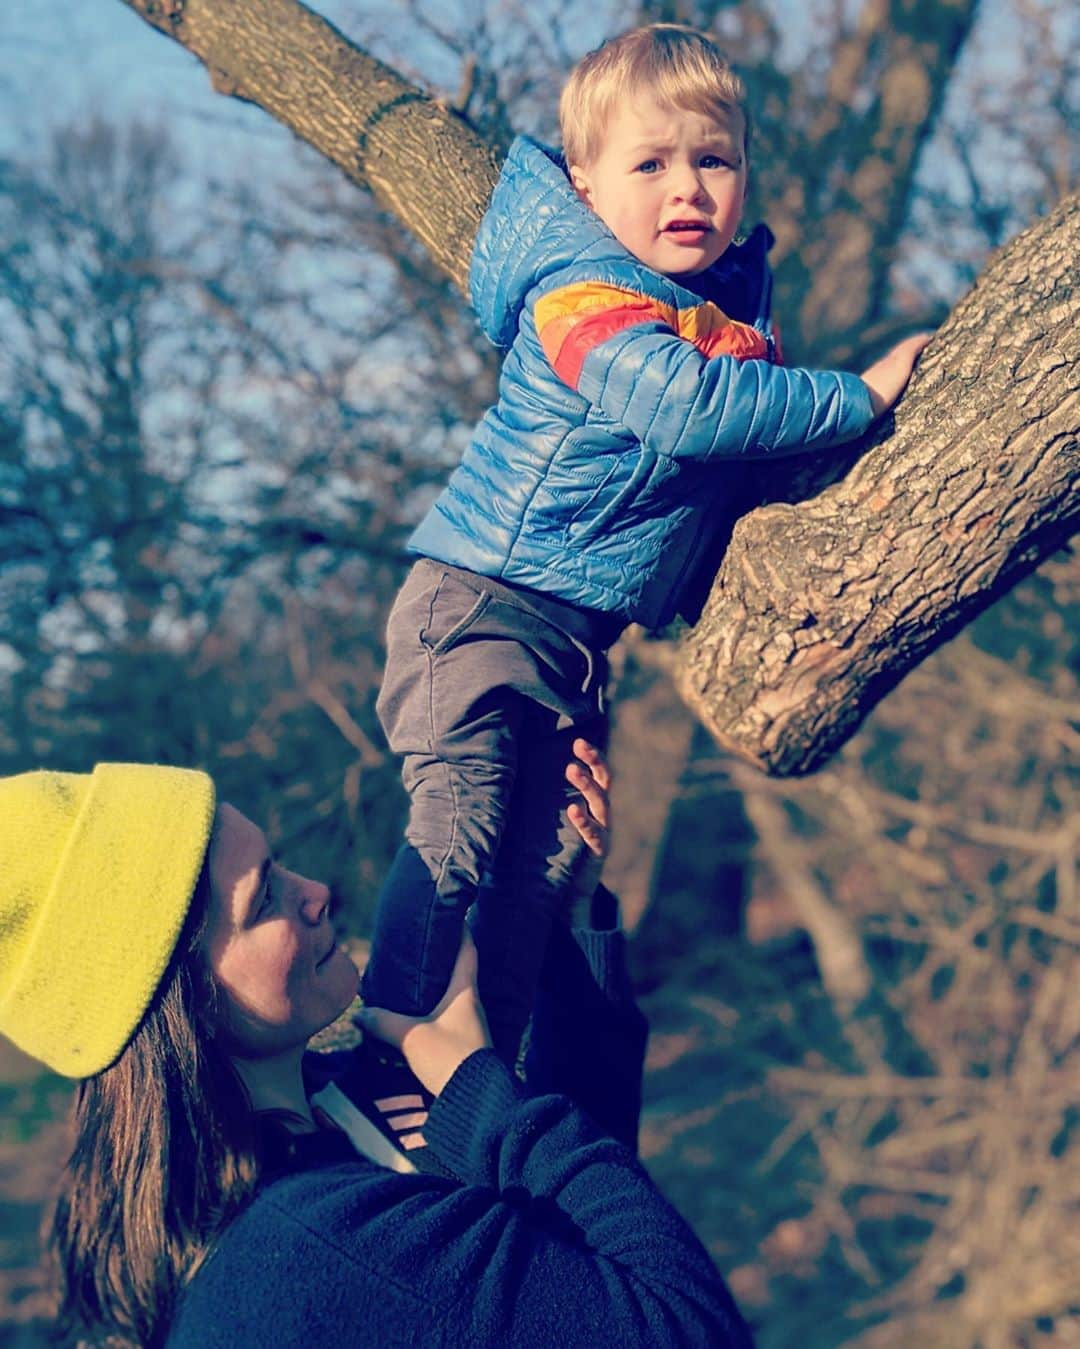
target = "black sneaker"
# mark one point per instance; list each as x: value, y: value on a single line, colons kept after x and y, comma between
x: 382, y: 1086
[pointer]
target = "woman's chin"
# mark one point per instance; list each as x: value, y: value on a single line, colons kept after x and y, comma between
x: 341, y: 971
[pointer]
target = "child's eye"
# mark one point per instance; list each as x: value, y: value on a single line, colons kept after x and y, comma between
x: 649, y: 166
x: 714, y: 162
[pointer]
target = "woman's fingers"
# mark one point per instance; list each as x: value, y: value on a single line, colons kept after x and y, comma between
x: 594, y: 836
x: 594, y: 760
x: 591, y: 776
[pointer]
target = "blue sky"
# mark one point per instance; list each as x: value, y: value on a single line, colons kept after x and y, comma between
x: 63, y: 62
x: 59, y: 61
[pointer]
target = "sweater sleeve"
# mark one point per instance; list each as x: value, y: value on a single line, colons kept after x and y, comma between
x: 555, y: 1237
x: 621, y: 351
x: 577, y: 1246
x: 587, y: 1037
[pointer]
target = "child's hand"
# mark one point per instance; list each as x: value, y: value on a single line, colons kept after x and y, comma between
x: 887, y: 379
x: 438, y: 1044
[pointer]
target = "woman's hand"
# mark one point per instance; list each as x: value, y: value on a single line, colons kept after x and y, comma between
x: 591, y: 817
x: 592, y: 777
x: 438, y: 1044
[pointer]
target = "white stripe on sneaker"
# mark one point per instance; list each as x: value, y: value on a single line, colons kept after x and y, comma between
x: 415, y: 1119
x: 411, y: 1101
x: 363, y: 1135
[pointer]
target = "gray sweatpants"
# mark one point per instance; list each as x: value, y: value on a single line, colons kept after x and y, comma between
x: 483, y: 697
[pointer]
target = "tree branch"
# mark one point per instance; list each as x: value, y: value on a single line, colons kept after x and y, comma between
x: 382, y: 132
x: 821, y: 606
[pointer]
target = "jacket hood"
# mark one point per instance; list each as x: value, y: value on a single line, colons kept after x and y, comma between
x: 535, y: 225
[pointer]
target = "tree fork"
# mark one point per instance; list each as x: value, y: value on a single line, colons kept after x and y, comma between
x: 821, y: 604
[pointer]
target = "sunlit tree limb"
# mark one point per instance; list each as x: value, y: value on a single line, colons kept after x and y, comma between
x: 821, y: 606
x: 380, y: 130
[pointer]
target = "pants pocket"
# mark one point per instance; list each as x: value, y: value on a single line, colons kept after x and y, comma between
x: 454, y: 609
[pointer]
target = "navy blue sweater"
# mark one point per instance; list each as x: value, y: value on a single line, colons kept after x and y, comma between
x: 555, y: 1234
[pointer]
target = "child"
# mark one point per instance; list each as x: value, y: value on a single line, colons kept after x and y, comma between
x: 640, y: 359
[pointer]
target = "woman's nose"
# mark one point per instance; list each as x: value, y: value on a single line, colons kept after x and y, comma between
x: 314, y: 900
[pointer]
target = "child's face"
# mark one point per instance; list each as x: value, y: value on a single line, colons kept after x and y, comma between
x: 669, y: 184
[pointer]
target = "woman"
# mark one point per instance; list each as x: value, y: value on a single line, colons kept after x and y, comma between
x: 152, y: 946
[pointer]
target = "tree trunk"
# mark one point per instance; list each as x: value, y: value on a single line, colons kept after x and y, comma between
x: 822, y: 604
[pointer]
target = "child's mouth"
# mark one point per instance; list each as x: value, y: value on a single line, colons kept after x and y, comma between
x: 686, y: 227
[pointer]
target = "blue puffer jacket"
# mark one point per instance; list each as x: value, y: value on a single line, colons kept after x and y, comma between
x: 594, y: 478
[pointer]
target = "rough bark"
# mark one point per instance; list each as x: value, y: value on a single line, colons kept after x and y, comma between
x: 821, y: 604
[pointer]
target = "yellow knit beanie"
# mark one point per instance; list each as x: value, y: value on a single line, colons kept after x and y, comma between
x: 97, y: 871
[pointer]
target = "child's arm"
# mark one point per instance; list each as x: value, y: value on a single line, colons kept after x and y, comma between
x: 629, y: 363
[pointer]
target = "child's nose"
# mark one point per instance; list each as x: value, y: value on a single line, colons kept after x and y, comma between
x: 686, y: 185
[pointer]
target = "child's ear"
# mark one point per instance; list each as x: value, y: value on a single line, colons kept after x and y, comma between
x: 580, y: 181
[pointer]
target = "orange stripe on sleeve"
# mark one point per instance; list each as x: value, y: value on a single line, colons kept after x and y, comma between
x: 575, y: 319
x: 714, y: 334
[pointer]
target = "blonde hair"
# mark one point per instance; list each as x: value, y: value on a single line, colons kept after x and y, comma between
x: 681, y: 67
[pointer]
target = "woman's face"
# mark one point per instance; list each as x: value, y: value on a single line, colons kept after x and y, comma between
x: 270, y: 944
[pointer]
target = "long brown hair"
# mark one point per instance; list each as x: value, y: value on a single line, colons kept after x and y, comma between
x: 166, y: 1154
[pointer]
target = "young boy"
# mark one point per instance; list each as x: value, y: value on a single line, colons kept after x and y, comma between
x: 639, y: 360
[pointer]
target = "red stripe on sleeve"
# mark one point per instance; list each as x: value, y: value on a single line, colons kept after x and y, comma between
x: 574, y: 339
